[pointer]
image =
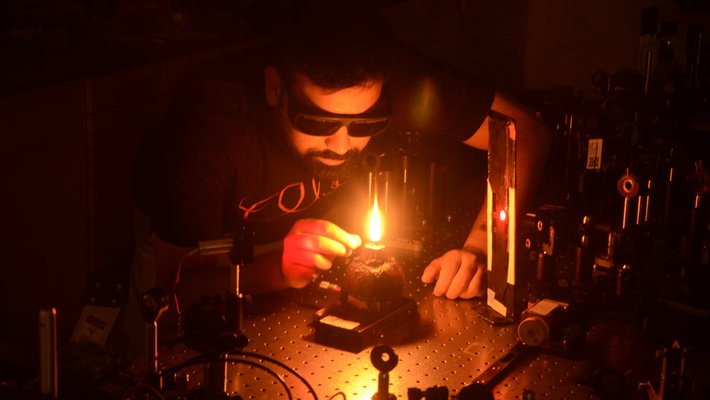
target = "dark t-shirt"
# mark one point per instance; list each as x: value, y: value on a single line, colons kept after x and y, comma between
x: 219, y: 163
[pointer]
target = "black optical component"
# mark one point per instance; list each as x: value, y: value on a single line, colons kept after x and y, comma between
x: 317, y: 122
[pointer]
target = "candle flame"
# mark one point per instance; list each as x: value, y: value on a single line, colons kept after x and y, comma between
x: 375, y: 222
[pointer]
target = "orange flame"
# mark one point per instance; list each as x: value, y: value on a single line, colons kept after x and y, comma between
x: 375, y: 222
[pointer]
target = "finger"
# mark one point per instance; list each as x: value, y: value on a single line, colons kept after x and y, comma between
x: 308, y: 257
x: 431, y: 271
x: 461, y: 279
x: 328, y: 229
x: 351, y: 240
x: 321, y: 262
x: 463, y: 275
x: 476, y: 287
x: 304, y: 272
x: 330, y: 247
x: 318, y: 244
x: 298, y: 275
x: 450, y: 263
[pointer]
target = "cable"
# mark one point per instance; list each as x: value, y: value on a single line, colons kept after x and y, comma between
x: 201, y: 359
x: 212, y: 247
x: 178, y: 311
x: 151, y: 388
x: 280, y: 364
x: 140, y: 383
x: 217, y: 248
x: 338, y: 394
x: 265, y: 369
x: 206, y: 359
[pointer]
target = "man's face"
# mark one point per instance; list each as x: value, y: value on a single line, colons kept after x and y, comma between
x: 331, y: 155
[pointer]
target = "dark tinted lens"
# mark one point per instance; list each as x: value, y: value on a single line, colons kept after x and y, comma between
x: 313, y: 125
x: 367, y: 128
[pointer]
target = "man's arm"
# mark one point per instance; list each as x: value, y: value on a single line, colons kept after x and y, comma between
x: 533, y: 143
x: 460, y: 272
x: 308, y: 249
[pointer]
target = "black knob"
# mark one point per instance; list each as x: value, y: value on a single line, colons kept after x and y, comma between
x: 153, y: 303
x: 475, y: 391
x: 384, y: 358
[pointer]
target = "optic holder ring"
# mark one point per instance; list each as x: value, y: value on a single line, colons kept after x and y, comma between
x: 628, y: 185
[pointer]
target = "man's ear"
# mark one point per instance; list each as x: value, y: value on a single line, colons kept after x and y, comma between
x: 272, y: 82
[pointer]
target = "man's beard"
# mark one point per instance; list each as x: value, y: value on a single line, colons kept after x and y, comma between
x: 309, y: 162
x: 330, y: 172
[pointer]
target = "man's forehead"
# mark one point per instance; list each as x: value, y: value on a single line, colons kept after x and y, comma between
x: 349, y: 100
x: 303, y: 83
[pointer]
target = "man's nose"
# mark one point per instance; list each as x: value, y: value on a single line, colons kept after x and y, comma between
x: 339, y: 142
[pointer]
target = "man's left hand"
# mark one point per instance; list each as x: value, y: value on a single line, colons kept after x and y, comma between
x: 458, y: 273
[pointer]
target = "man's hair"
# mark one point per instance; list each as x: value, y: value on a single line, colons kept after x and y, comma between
x: 335, y: 43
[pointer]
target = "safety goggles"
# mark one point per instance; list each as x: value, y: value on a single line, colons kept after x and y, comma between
x: 316, y: 122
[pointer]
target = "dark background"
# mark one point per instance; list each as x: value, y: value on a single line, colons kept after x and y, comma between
x: 81, y: 82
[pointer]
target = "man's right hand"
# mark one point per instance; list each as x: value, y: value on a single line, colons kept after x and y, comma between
x: 311, y: 246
